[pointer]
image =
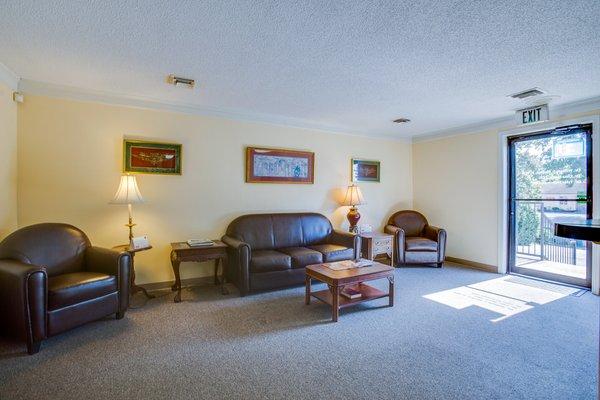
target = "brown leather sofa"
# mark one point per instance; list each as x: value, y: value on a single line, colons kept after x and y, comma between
x: 270, y: 251
x: 415, y: 241
x: 52, y: 279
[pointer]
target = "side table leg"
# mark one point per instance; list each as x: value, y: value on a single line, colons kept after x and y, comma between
x: 307, y: 290
x: 391, y: 290
x: 335, y: 306
x: 224, y: 290
x: 177, y: 286
x: 133, y: 287
x: 216, y: 271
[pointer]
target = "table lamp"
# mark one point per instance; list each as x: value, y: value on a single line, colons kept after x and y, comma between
x: 353, y: 198
x: 128, y: 193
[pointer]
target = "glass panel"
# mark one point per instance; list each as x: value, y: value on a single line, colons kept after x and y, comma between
x: 553, y: 168
x: 550, y: 175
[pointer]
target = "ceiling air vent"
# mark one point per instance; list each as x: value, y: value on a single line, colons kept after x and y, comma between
x: 401, y: 120
x: 527, y: 93
x: 179, y: 81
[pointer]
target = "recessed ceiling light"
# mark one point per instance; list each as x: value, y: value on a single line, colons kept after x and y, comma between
x: 527, y: 93
x: 401, y: 120
x: 178, y: 80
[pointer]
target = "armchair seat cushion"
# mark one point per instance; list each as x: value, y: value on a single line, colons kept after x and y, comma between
x: 302, y: 256
x: 333, y: 252
x: 420, y: 244
x: 76, y: 287
x: 269, y: 261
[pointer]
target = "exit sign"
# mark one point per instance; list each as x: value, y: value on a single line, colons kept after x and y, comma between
x: 532, y: 115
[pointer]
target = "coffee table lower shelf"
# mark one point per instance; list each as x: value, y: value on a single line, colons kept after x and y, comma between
x: 368, y: 293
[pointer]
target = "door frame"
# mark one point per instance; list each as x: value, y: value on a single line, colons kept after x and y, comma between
x: 511, y: 188
x: 503, y: 184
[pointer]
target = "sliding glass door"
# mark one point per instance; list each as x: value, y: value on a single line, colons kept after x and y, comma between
x: 550, y: 178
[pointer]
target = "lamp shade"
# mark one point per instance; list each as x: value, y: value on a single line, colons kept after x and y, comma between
x: 353, y: 197
x: 128, y: 192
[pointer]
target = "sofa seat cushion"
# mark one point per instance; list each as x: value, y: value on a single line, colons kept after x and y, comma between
x: 333, y: 252
x: 68, y: 289
x: 302, y: 256
x: 269, y: 260
x: 420, y: 244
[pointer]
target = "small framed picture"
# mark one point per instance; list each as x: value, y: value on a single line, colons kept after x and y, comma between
x: 365, y: 170
x: 279, y: 166
x: 140, y: 157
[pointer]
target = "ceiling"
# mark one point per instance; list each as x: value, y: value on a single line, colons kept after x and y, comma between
x: 349, y: 66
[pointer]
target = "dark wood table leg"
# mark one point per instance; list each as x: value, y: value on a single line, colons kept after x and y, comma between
x: 177, y: 286
x: 307, y: 290
x: 391, y: 290
x: 335, y: 304
x: 224, y: 290
x: 133, y: 287
x: 216, y: 271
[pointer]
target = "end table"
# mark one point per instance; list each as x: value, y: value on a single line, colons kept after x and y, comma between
x: 133, y: 288
x: 375, y: 244
x: 181, y: 251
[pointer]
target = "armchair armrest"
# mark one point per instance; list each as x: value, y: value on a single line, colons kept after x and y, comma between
x: 238, y: 257
x: 432, y: 232
x: 23, y: 303
x: 399, y: 242
x: 438, y: 235
x: 111, y: 262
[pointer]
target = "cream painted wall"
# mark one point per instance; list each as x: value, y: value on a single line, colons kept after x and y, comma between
x: 456, y: 187
x: 8, y: 161
x: 70, y: 162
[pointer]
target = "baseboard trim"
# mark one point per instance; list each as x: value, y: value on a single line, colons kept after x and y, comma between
x: 201, y: 281
x: 473, y: 264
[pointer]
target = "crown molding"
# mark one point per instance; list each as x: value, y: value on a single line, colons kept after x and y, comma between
x: 8, y: 77
x: 38, y: 88
x: 508, y: 122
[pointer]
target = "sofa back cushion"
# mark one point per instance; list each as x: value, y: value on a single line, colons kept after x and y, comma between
x: 275, y: 231
x: 58, y: 247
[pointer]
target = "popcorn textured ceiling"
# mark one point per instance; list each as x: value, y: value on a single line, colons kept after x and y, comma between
x: 344, y: 65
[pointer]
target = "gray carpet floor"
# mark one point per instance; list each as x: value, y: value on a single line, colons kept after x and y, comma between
x: 272, y: 346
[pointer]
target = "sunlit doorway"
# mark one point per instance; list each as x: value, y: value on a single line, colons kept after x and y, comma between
x: 550, y: 179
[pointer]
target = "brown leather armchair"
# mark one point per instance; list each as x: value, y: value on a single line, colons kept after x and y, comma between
x: 52, y: 280
x: 415, y: 241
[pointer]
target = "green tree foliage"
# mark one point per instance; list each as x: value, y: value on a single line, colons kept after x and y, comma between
x: 536, y: 166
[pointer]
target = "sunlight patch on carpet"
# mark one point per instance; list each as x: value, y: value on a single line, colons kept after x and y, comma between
x: 507, y: 296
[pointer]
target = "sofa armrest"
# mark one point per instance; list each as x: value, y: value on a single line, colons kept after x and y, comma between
x: 399, y: 242
x: 346, y: 239
x: 111, y: 262
x: 438, y: 235
x: 238, y: 258
x: 23, y: 301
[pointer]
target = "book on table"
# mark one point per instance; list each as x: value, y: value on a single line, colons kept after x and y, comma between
x: 348, y: 264
x: 200, y: 242
x: 351, y: 293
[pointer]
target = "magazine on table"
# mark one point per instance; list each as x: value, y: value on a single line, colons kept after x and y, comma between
x: 200, y: 242
x: 348, y: 264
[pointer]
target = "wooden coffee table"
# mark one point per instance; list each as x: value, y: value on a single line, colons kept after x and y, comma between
x: 355, y: 277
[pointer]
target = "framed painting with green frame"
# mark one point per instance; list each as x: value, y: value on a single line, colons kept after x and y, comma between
x: 365, y: 170
x: 142, y: 157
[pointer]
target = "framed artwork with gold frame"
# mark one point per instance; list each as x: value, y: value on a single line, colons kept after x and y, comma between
x: 365, y: 170
x: 143, y: 157
x: 265, y: 165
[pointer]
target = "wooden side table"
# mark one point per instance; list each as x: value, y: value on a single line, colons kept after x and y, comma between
x: 181, y: 251
x: 376, y: 244
x: 133, y: 288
